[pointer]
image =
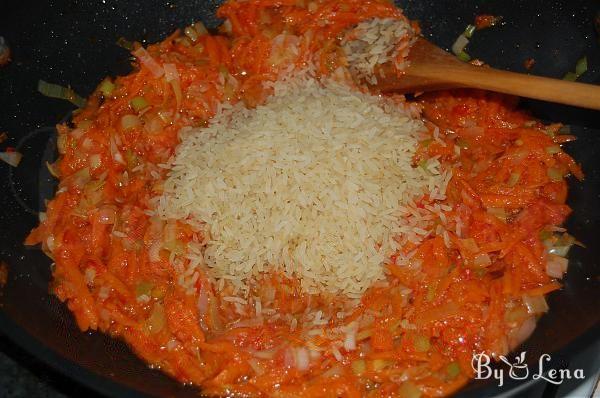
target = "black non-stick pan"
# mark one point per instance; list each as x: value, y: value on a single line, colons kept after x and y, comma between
x: 72, y: 42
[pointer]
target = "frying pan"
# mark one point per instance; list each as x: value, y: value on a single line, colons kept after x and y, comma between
x: 73, y: 42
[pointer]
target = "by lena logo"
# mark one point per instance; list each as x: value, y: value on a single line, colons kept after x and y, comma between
x: 519, y: 370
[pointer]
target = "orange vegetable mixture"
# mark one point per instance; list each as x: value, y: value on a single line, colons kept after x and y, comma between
x: 507, y: 195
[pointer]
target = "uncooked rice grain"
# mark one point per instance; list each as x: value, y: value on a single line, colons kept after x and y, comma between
x: 377, y: 41
x: 318, y: 184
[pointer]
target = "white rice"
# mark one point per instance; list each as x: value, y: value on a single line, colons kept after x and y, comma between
x: 317, y: 183
x: 377, y: 41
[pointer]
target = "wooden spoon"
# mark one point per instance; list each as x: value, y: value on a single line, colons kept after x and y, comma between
x: 432, y: 68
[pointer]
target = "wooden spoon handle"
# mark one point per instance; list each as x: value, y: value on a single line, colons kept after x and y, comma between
x: 542, y: 88
x: 432, y: 68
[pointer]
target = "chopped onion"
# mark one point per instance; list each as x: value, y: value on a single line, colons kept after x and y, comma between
x: 227, y: 27
x: 172, y: 344
x: 143, y: 298
x: 248, y: 323
x: 350, y: 338
x: 570, y: 76
x: 172, y: 76
x: 459, y: 44
x: 364, y: 334
x: 359, y: 367
x: 555, y: 174
x: 93, y: 192
x: 95, y: 161
x: 256, y: 367
x: 170, y: 231
x: 288, y: 358
x: 301, y: 358
x: 552, y: 149
x: 514, y: 179
x: 50, y: 243
x: 81, y: 177
x: 191, y: 33
x: 61, y: 143
x: 409, y: 390
x: 469, y: 30
x: 203, y: 301
x: 350, y: 342
x: 213, y: 315
x: 138, y: 103
x: 154, y: 251
x: 535, y: 304
x: 581, y: 67
x: 565, y: 239
x: 178, y: 94
x: 266, y: 354
x: 230, y: 86
x: 157, y: 320
x: 171, y: 72
x: 561, y: 251
x: 89, y: 275
x: 77, y: 133
x: 115, y: 153
x: 165, y: 116
x: 463, y: 56
x: 462, y: 143
x: 143, y: 289
x: 380, y: 364
x: 482, y: 260
x: 522, y: 333
x: 60, y: 92
x: 546, y: 237
x: 335, y: 370
x: 453, y: 370
x: 106, y: 87
x: 107, y: 215
x: 88, y: 144
x: 314, y: 354
x: 336, y: 353
x: 564, y: 130
x: 153, y: 125
x: 130, y: 121
x: 12, y: 158
x: 422, y: 343
x: 268, y: 293
x: 470, y: 245
x: 200, y: 28
x: 186, y: 42
x: 149, y: 62
x: 104, y: 293
x: 498, y: 212
x: 556, y: 266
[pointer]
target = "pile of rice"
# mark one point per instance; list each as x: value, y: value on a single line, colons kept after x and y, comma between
x: 318, y: 184
x: 377, y: 41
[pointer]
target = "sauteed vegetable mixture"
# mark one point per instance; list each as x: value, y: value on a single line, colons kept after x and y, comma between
x: 470, y: 274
